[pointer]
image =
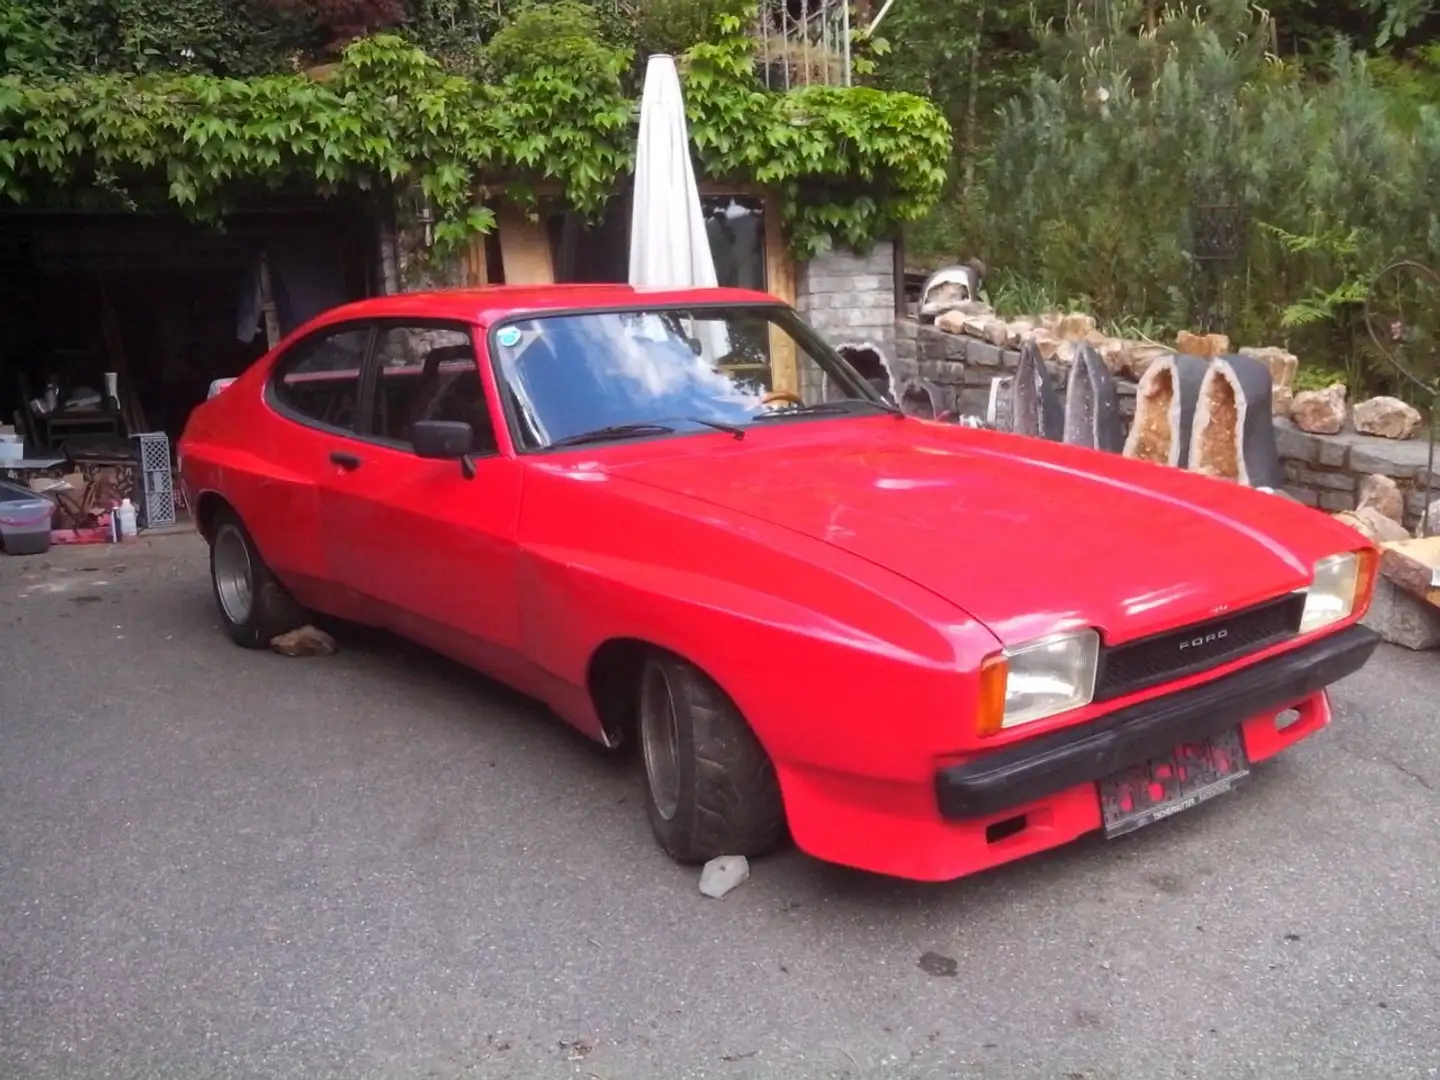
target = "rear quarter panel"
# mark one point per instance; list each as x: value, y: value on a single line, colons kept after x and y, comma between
x: 235, y: 447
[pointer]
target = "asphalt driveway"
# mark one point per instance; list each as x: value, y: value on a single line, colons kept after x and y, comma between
x: 226, y: 864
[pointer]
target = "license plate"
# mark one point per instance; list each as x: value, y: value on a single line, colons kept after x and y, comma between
x: 1180, y: 780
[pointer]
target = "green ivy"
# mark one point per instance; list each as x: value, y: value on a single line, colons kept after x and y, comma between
x: 850, y: 164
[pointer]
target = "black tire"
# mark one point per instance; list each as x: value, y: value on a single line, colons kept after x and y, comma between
x: 271, y: 610
x: 725, y: 799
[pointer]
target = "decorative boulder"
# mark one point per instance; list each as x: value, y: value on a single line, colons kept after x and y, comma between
x: 1383, y: 495
x: 1092, y: 407
x: 1207, y: 346
x: 1372, y: 524
x: 1036, y: 409
x: 1320, y: 412
x: 1075, y: 326
x: 1387, y: 417
x: 1165, y: 410
x: 1233, y: 435
x: 1282, y: 364
x: 1139, y: 355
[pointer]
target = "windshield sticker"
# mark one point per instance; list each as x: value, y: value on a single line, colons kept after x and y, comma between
x: 508, y: 337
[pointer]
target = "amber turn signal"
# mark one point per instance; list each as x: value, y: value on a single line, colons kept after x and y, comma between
x: 1368, y: 567
x: 990, y: 701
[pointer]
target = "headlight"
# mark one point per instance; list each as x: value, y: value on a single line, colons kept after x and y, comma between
x: 1340, y: 587
x: 1038, y: 679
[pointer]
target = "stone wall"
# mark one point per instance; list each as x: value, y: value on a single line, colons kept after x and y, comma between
x: 961, y: 368
x: 849, y: 299
x: 1325, y: 471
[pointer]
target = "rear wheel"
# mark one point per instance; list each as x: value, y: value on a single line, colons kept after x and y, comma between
x: 253, y: 605
x: 710, y: 787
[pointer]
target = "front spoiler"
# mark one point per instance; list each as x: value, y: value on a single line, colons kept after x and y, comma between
x: 1133, y: 735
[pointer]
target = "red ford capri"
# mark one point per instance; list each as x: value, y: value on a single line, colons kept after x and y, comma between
x: 681, y: 520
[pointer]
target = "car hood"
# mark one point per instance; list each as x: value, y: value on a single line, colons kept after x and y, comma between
x: 1029, y: 537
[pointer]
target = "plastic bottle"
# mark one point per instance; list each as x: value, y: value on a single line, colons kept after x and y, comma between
x: 126, y: 513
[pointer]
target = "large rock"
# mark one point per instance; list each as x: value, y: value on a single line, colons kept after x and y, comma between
x: 1387, y: 417
x: 1382, y: 494
x: 986, y: 327
x: 1370, y: 523
x: 1044, y: 341
x: 955, y: 320
x: 306, y: 641
x: 1281, y: 400
x: 1115, y: 354
x: 1141, y: 355
x: 1282, y: 364
x: 1075, y: 326
x: 1019, y: 330
x: 1207, y: 346
x: 1402, y: 618
x: 952, y: 321
x: 1320, y: 412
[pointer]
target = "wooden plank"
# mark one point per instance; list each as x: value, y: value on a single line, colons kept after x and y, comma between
x: 132, y: 414
x: 1414, y: 565
x: 780, y: 283
x: 524, y: 250
x: 477, y: 262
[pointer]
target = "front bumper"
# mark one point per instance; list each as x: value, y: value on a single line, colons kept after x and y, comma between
x: 1130, y: 736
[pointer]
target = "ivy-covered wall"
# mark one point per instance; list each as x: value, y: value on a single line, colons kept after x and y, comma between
x: 847, y: 164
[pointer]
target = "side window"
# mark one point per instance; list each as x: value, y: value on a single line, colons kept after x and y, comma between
x: 429, y: 373
x: 319, y: 378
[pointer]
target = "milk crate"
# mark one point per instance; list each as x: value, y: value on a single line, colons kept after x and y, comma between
x: 157, y: 503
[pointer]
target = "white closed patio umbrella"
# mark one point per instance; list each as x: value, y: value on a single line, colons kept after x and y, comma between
x: 669, y: 246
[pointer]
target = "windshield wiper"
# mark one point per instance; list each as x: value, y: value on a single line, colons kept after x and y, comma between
x: 646, y: 427
x: 613, y: 431
x: 828, y: 408
x: 729, y: 429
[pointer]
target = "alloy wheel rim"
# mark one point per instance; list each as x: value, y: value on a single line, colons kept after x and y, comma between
x: 234, y: 574
x: 660, y: 741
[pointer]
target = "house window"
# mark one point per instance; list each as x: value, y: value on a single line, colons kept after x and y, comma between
x: 736, y: 226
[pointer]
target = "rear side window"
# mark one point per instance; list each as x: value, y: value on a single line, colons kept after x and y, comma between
x: 318, y: 380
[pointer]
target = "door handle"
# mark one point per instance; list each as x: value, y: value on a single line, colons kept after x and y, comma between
x: 345, y: 460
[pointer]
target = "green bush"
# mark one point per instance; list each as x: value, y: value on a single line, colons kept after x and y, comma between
x: 1095, y: 174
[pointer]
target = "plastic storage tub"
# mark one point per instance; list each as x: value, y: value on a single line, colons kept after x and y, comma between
x: 24, y: 520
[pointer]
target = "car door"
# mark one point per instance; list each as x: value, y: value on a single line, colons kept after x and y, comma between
x: 422, y: 549
x: 316, y: 388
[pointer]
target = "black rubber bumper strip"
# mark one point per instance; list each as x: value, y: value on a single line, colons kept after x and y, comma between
x: 1135, y: 734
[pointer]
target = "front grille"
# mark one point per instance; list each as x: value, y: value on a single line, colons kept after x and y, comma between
x: 1138, y: 665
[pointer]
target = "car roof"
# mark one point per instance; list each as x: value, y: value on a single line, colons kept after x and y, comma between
x: 489, y: 304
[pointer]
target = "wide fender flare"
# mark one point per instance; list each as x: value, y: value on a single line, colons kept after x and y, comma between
x: 817, y: 688
x: 267, y: 496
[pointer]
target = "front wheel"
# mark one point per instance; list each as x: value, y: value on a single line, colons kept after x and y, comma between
x: 710, y: 787
x: 253, y: 605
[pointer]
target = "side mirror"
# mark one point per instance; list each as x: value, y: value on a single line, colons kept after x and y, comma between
x: 445, y: 440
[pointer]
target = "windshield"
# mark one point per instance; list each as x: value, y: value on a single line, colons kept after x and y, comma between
x: 599, y: 373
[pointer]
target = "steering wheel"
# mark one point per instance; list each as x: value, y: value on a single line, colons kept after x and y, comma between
x: 782, y: 395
